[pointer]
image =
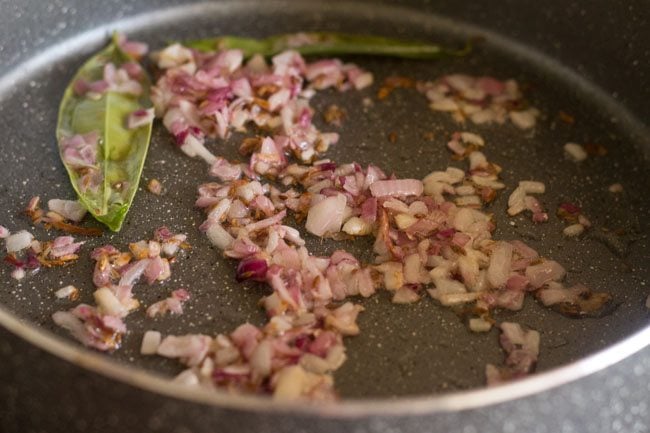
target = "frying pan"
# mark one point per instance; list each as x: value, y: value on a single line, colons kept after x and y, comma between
x: 413, y: 368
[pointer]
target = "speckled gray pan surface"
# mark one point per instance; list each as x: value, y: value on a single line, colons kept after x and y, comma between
x: 403, y: 350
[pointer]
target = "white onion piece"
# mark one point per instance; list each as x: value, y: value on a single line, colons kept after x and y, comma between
x: 187, y: 378
x: 150, y: 342
x: 392, y: 188
x: 192, y: 347
x: 477, y: 160
x: 396, y: 205
x: 314, y: 364
x: 615, y: 188
x: 517, y: 201
x: 532, y: 187
x: 445, y: 286
x: 540, y: 274
x: 584, y: 221
x: 19, y: 241
x: 336, y: 356
x: 528, y: 340
x: 73, y: 324
x: 249, y: 191
x: 393, y: 275
x: 418, y: 208
x: 18, y: 274
x: 362, y: 81
x: 219, y: 237
x: 326, y: 216
x: 575, y: 151
x: 573, y: 230
x: 555, y: 293
x: 261, y: 358
x: 220, y: 209
x: 471, y: 138
x: 292, y: 235
x: 451, y: 299
x: 468, y: 267
x: 492, y: 375
x: 290, y: 383
x: 499, y: 268
x: 403, y: 220
x: 4, y: 232
x: 173, y: 56
x: 67, y: 292
x: 405, y: 295
x: 68, y: 209
x: 468, y: 200
x: 344, y: 319
x: 412, y: 269
x: 477, y: 324
x: 136, y: 270
x: 108, y: 303
x: 357, y: 227
x: 524, y: 119
x: 194, y: 147
x: 451, y: 175
x: 445, y: 104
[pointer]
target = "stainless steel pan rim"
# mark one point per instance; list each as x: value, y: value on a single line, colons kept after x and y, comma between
x: 455, y: 401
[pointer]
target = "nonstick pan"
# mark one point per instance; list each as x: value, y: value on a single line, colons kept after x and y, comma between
x: 413, y: 368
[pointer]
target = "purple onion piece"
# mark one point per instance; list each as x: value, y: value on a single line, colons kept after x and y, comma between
x: 327, y: 166
x: 252, y: 269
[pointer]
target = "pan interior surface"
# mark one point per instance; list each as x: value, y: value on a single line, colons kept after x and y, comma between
x: 420, y: 349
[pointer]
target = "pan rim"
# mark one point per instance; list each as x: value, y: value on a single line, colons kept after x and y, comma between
x: 352, y: 408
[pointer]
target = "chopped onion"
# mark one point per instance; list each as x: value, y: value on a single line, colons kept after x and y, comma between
x: 68, y: 209
x: 18, y: 274
x: 573, y: 230
x: 18, y: 241
x: 193, y: 347
x: 451, y: 299
x: 290, y: 383
x: 150, y: 342
x: 70, y: 292
x: 479, y: 325
x: 524, y: 119
x: 108, y: 303
x: 615, y: 188
x: 252, y: 269
x: 219, y: 237
x: 405, y: 295
x: 140, y: 117
x: 575, y: 151
x: 326, y: 216
x: 261, y: 359
x: 471, y: 138
x: 187, y: 378
x: 540, y: 274
x: 357, y: 227
x: 517, y: 201
x: 532, y: 187
x: 396, y: 188
x: 500, y: 262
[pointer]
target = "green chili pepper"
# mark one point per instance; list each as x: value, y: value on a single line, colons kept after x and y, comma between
x: 327, y: 44
x: 107, y: 182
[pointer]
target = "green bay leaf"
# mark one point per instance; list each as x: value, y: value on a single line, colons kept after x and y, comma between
x: 121, y: 151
